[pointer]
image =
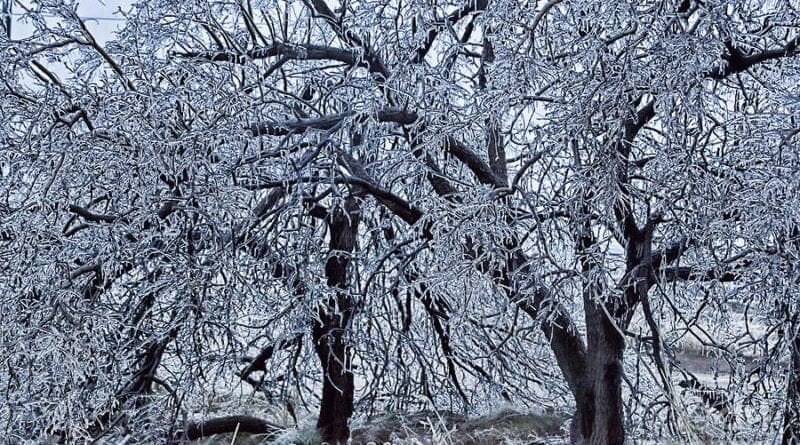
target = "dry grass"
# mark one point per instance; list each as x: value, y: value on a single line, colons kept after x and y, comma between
x: 503, y: 427
x: 426, y: 428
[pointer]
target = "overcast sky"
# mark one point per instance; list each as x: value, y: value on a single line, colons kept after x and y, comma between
x: 99, y: 15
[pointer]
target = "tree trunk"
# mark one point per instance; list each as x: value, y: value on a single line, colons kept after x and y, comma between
x: 335, y: 314
x: 599, y: 417
x: 791, y: 413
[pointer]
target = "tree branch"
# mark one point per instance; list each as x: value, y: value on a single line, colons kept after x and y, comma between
x: 300, y: 51
x: 736, y: 62
x: 370, y: 59
x: 397, y: 205
x: 397, y: 115
x: 93, y: 217
x: 671, y: 253
x: 259, y: 363
x: 452, y: 19
x: 389, y: 114
x: 230, y: 424
x: 481, y: 169
x: 690, y: 273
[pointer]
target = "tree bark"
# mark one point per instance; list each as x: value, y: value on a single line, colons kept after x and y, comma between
x: 791, y: 413
x: 598, y: 394
x: 598, y: 391
x: 329, y: 331
x: 598, y: 398
x: 231, y: 424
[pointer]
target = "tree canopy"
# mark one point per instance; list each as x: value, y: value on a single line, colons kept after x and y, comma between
x: 346, y: 208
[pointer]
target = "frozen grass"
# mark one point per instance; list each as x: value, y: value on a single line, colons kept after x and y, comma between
x: 426, y: 428
x: 503, y: 427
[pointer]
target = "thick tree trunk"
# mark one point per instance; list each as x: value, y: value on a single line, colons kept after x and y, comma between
x: 329, y: 332
x: 599, y: 417
x: 791, y: 414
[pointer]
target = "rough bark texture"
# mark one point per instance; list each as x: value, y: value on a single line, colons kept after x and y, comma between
x: 329, y: 331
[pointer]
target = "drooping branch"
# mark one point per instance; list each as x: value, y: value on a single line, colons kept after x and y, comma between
x: 438, y: 311
x: 140, y: 382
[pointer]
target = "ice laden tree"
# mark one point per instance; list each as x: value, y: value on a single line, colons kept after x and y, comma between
x: 398, y: 205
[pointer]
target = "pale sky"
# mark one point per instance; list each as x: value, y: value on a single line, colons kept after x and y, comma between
x: 99, y: 16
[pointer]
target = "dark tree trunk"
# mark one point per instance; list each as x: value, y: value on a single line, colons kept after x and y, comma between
x: 329, y: 332
x: 599, y: 416
x: 598, y: 397
x: 791, y: 414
